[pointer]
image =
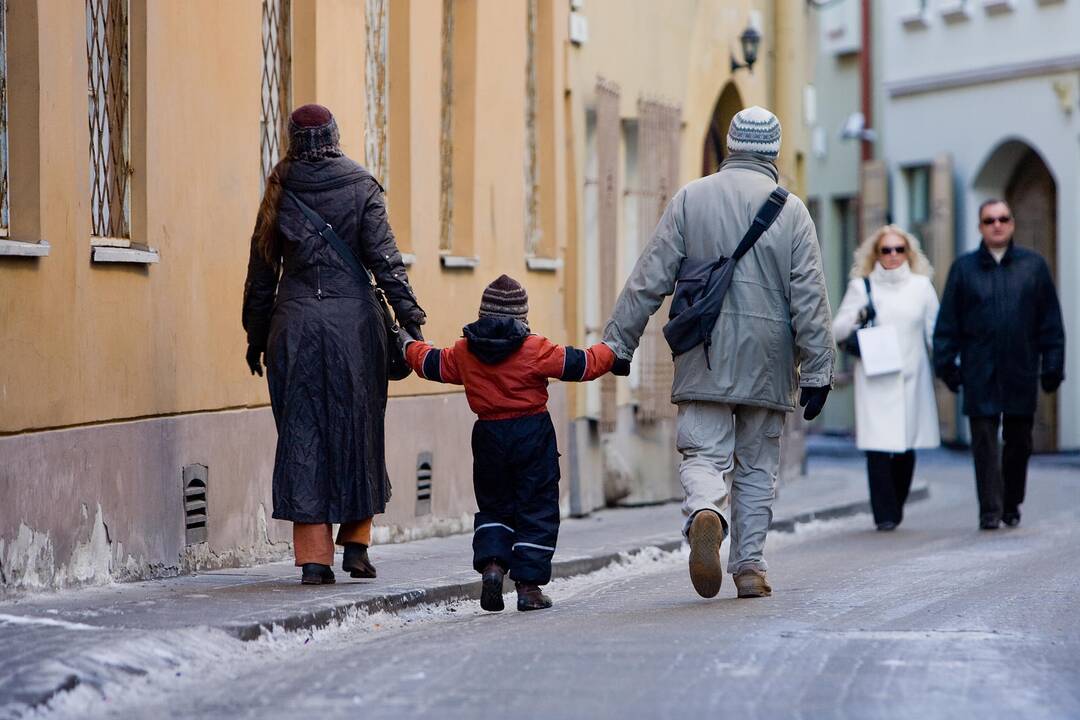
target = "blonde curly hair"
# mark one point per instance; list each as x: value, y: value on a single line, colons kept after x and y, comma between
x: 866, y: 255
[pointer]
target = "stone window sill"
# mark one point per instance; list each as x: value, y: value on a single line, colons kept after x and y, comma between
x: 956, y: 12
x: 114, y: 250
x: 459, y: 262
x: 408, y: 259
x: 998, y: 7
x: 919, y: 20
x: 543, y: 264
x: 17, y: 248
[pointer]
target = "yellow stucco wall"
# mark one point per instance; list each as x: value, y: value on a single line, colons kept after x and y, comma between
x: 84, y: 343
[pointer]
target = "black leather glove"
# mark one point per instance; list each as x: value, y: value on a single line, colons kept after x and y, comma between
x: 813, y: 399
x: 413, y: 329
x: 254, y: 359
x: 620, y: 367
x: 953, y: 379
x: 1051, y: 381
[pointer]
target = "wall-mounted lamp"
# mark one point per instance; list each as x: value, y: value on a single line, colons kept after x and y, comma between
x: 750, y: 41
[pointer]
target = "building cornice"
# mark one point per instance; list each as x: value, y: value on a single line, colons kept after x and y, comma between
x: 982, y: 76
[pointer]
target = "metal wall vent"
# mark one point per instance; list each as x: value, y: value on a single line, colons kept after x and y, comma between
x: 195, y: 509
x: 423, y: 483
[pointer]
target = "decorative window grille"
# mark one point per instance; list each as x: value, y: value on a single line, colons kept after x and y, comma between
x: 107, y: 71
x: 532, y: 169
x: 446, y: 131
x: 276, y: 81
x: 378, y: 89
x: 607, y: 159
x: 4, y: 203
x: 658, y: 159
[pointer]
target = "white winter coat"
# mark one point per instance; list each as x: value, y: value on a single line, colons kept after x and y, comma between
x: 895, y: 412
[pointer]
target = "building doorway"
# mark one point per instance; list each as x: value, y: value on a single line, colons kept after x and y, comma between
x: 714, y: 149
x: 1018, y: 174
x: 1032, y: 196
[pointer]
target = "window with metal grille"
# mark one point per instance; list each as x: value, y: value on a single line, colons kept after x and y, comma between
x: 532, y: 170
x: 4, y: 205
x: 108, y: 89
x: 276, y: 81
x: 377, y: 84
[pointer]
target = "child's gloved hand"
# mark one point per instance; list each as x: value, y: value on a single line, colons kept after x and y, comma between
x: 621, y: 367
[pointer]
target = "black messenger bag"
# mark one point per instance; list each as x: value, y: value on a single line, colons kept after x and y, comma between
x: 701, y: 285
x: 397, y: 367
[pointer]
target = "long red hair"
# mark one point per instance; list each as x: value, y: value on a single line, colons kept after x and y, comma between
x: 267, y: 237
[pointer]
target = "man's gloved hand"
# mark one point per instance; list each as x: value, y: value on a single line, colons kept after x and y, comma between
x: 254, y: 359
x: 621, y: 367
x: 1051, y: 381
x: 953, y: 379
x: 813, y: 399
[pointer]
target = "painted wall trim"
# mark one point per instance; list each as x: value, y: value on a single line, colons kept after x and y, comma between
x: 981, y: 76
x: 140, y: 255
x: 24, y: 249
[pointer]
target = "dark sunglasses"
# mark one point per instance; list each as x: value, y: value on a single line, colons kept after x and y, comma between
x: 890, y: 250
x: 1003, y: 219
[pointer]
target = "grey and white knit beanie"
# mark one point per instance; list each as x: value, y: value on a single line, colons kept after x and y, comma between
x: 754, y: 130
x: 505, y: 297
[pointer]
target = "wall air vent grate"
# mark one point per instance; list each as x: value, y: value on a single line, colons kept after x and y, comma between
x: 423, y: 484
x: 196, y: 515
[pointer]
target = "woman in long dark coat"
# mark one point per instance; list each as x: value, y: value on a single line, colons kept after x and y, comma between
x: 322, y: 335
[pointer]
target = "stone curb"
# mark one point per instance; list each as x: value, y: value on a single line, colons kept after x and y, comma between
x: 456, y: 591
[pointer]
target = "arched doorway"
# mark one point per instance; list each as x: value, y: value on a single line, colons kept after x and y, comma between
x: 714, y: 148
x: 1017, y: 173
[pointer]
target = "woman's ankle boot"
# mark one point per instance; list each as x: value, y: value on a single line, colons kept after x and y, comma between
x: 316, y: 574
x: 356, y: 561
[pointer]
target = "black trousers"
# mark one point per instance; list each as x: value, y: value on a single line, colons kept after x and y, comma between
x: 1001, y: 471
x: 890, y: 481
x: 516, y: 480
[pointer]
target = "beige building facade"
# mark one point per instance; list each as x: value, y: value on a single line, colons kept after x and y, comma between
x: 133, y: 441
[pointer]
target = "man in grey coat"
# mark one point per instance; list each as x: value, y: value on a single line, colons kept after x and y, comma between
x: 773, y: 336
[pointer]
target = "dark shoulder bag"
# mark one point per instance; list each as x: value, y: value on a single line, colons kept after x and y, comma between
x: 396, y: 366
x: 850, y: 344
x: 702, y: 284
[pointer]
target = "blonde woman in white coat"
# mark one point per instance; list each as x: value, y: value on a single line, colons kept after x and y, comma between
x: 895, y: 413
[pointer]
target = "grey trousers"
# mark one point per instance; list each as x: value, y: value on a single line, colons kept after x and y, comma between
x: 731, y: 456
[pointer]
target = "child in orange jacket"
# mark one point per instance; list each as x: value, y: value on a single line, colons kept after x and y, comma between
x: 505, y: 370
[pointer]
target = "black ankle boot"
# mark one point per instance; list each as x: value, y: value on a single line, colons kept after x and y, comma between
x: 531, y: 597
x: 491, y: 598
x: 316, y: 574
x: 356, y: 561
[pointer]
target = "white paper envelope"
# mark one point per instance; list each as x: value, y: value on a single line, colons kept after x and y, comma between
x: 879, y: 347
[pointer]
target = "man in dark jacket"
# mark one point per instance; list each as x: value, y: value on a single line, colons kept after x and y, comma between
x: 998, y: 334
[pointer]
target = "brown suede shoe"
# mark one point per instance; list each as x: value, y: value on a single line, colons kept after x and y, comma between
x: 752, y: 584
x: 530, y: 597
x: 706, y: 534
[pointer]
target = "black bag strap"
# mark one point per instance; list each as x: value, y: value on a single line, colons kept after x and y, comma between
x: 326, y: 232
x: 764, y: 219
x: 870, y: 311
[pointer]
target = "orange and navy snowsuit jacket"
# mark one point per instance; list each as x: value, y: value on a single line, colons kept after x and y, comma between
x: 505, y: 369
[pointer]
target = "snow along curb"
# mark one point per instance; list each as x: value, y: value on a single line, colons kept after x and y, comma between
x: 455, y: 591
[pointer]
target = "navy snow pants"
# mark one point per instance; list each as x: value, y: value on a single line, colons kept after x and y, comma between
x: 516, y: 480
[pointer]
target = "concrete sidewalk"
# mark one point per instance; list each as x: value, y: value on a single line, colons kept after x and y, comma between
x: 248, y: 602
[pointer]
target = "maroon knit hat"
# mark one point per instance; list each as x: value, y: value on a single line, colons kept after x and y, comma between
x: 505, y: 297
x: 313, y: 133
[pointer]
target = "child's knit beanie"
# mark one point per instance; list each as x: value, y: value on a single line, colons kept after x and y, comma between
x: 505, y: 297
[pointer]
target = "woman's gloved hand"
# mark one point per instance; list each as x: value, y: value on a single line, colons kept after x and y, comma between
x: 813, y: 399
x: 254, y: 359
x: 621, y: 367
